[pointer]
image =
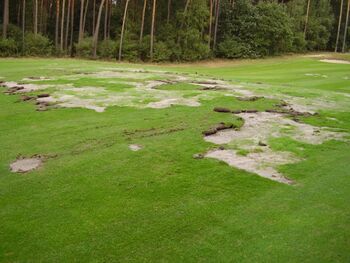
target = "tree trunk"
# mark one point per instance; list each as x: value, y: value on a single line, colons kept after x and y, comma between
x: 169, y: 9
x: 81, y: 33
x: 216, y: 22
x: 109, y: 19
x: 122, y: 32
x: 97, y: 29
x: 346, y: 26
x: 307, y: 17
x: 185, y: 11
x: 152, y: 27
x: 93, y: 17
x: 57, y: 22
x: 210, y: 22
x: 106, y: 22
x: 72, y: 29
x: 23, y: 25
x: 67, y: 24
x: 339, y: 25
x: 85, y: 13
x: 6, y: 19
x: 19, y: 13
x: 143, y: 19
x: 41, y: 16
x: 35, y: 17
x: 62, y: 24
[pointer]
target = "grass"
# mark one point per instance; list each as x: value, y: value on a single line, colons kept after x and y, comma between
x: 94, y: 200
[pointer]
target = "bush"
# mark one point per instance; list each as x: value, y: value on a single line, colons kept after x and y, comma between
x: 161, y: 52
x: 254, y: 30
x: 298, y: 42
x: 8, y: 47
x: 130, y: 51
x: 37, y: 45
x: 231, y: 48
x: 107, y: 49
x: 84, y: 48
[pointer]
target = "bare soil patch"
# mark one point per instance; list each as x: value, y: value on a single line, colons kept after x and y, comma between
x: 23, y: 165
x: 258, y: 163
x: 335, y: 61
x: 253, y: 138
x: 135, y: 147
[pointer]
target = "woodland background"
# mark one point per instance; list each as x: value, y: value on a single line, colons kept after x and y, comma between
x: 172, y: 30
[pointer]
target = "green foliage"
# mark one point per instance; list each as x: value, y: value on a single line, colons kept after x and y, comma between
x: 245, y: 29
x: 161, y: 52
x: 37, y: 45
x: 8, y: 47
x: 130, y: 50
x: 233, y: 48
x: 253, y: 31
x: 320, y: 25
x: 107, y: 49
x: 84, y: 48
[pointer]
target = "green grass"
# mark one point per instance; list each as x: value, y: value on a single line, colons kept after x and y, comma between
x: 95, y: 200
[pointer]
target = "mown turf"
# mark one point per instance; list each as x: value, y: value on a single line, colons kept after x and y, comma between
x: 94, y: 200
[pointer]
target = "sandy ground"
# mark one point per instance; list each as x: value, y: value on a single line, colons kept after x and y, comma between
x: 25, y: 165
x: 135, y: 147
x: 335, y: 61
x: 262, y: 164
x: 253, y: 137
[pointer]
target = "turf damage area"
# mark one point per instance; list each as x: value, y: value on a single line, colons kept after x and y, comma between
x: 270, y: 183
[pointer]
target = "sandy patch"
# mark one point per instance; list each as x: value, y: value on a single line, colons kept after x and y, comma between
x: 118, y: 74
x: 165, y: 103
x: 41, y: 78
x: 135, y: 147
x: 335, y: 61
x: 24, y: 87
x: 315, y: 56
x: 253, y: 137
x: 262, y: 164
x: 222, y: 85
x: 315, y: 75
x: 263, y: 125
x: 25, y: 165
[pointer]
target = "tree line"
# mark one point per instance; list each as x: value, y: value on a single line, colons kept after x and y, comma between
x: 172, y: 30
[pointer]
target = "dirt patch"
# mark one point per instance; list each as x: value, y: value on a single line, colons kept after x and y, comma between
x: 41, y: 78
x: 135, y: 147
x: 165, y: 103
x: 262, y: 164
x: 119, y: 74
x: 315, y: 56
x: 263, y: 125
x: 14, y: 87
x: 335, y: 61
x: 23, y: 165
x: 253, y: 139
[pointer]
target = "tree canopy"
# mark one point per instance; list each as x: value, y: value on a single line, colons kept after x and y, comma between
x: 169, y: 30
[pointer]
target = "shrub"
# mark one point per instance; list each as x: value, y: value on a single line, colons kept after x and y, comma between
x: 161, y: 52
x: 107, y: 49
x: 37, y: 45
x: 231, y: 48
x: 8, y: 47
x: 254, y: 30
x: 84, y: 48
